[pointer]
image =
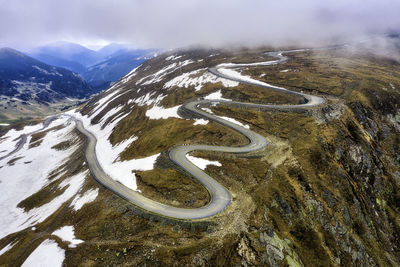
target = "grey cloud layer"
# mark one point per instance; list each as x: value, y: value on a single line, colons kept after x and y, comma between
x: 176, y: 23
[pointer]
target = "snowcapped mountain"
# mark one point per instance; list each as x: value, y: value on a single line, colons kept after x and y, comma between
x: 318, y: 193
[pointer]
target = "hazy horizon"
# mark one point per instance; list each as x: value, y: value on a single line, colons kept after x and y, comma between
x: 177, y: 23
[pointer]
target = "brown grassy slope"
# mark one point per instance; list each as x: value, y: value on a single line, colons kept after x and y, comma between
x: 324, y: 193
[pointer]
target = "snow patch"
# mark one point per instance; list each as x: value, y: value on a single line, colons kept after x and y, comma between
x: 48, y: 253
x: 147, y: 99
x: 67, y: 233
x: 202, y: 163
x: 234, y: 121
x: 129, y: 76
x: 101, y: 103
x: 192, y: 79
x: 82, y: 199
x: 159, y: 75
x: 173, y: 57
x: 200, y: 122
x: 157, y: 112
x: 216, y: 96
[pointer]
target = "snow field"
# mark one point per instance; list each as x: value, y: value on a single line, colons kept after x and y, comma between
x: 48, y: 253
x: 29, y: 175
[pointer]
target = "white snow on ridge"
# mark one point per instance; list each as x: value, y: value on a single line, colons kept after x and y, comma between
x: 67, y: 233
x: 80, y: 200
x: 190, y: 79
x: 157, y: 112
x: 102, y: 102
x: 48, y: 253
x: 159, y: 75
x: 147, y: 99
x: 110, y: 113
x: 129, y: 76
x: 202, y: 163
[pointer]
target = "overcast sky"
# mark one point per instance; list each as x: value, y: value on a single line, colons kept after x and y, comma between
x: 179, y: 23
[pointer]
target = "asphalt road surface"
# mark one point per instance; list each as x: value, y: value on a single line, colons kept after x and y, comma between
x: 220, y: 198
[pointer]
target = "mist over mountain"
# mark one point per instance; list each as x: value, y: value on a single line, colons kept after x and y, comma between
x: 113, y: 49
x: 66, y: 51
x: 99, y: 68
x: 66, y: 55
x: 177, y: 23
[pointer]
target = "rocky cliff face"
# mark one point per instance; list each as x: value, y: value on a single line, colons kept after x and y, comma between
x: 325, y: 192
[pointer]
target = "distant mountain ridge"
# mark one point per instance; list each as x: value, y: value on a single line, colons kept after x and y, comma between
x: 102, y: 74
x: 100, y: 68
x: 67, y: 55
x: 31, y: 88
x: 19, y: 74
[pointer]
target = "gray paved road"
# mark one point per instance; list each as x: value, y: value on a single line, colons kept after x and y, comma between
x: 220, y: 196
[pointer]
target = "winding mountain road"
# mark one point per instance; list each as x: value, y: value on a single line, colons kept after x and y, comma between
x: 220, y: 196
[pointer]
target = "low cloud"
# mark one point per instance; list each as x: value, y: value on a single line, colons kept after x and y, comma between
x: 178, y: 23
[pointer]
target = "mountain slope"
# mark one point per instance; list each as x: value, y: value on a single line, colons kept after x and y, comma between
x: 324, y: 192
x: 116, y: 65
x: 99, y: 68
x: 66, y: 55
x: 25, y: 81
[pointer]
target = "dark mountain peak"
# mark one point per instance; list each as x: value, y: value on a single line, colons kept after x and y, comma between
x: 11, y: 59
x: 9, y: 52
